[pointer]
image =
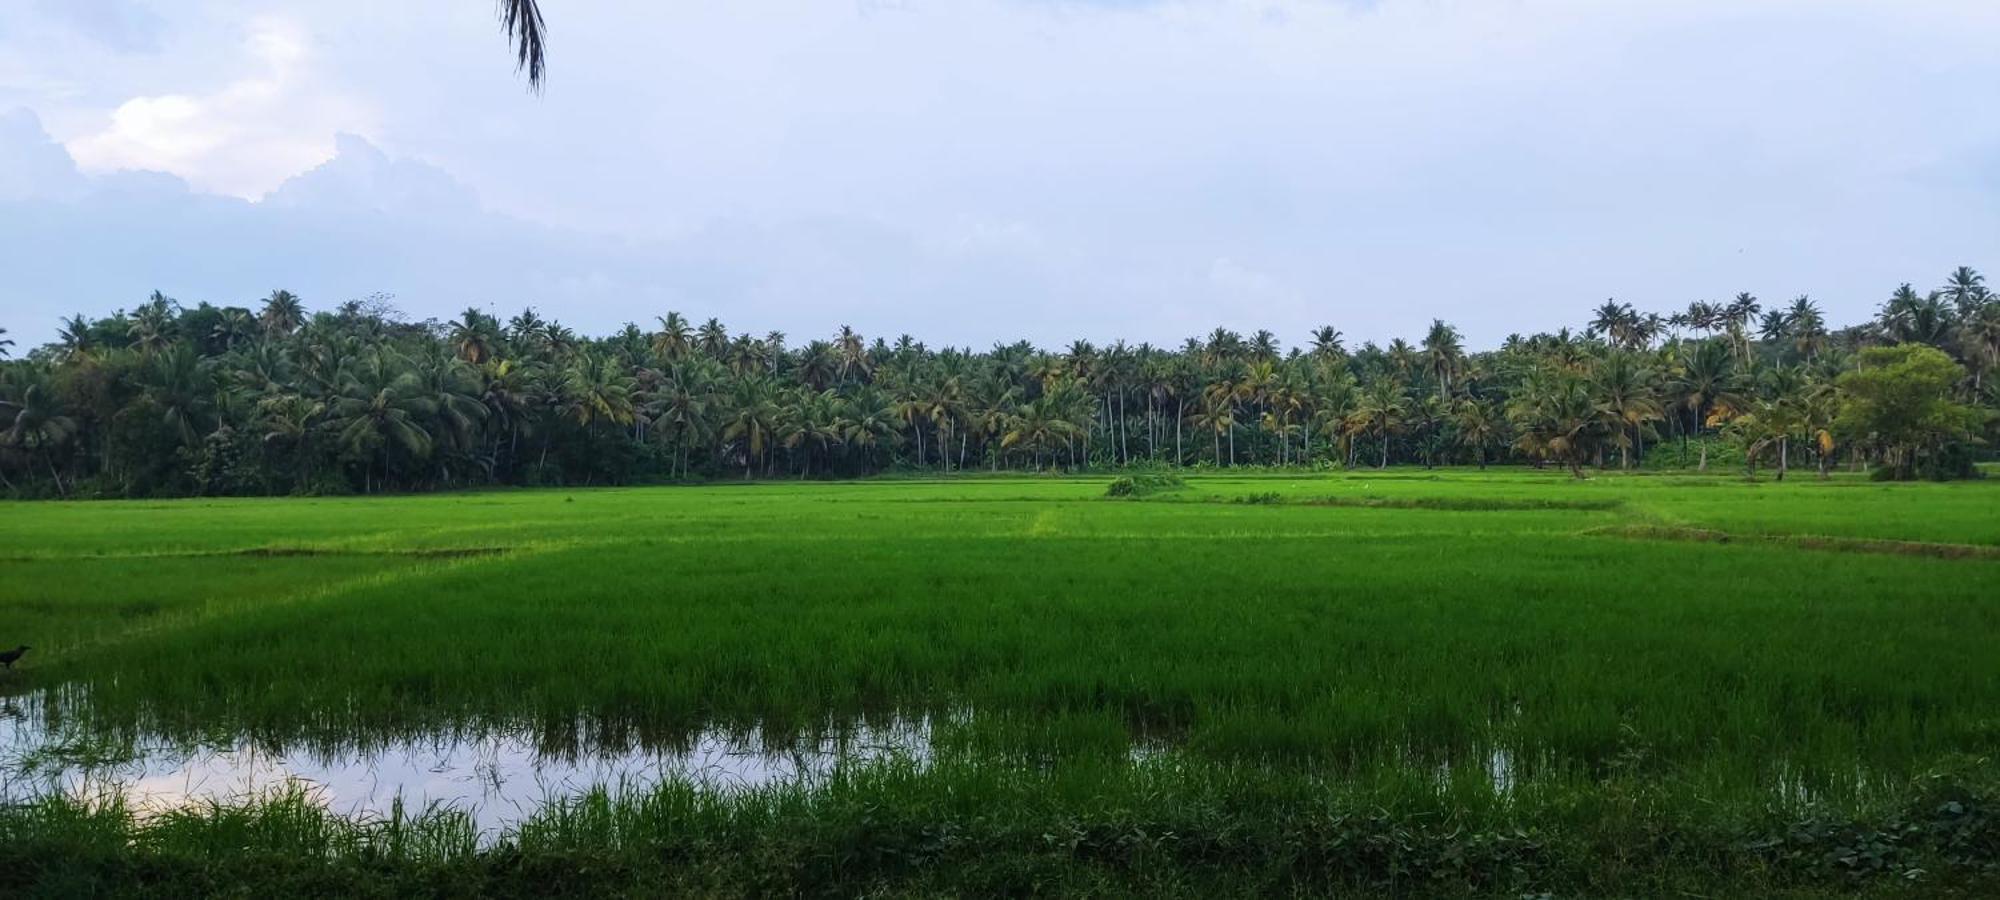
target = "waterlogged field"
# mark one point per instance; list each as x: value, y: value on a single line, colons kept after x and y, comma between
x: 1481, y: 682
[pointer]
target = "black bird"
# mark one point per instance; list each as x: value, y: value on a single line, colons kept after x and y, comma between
x: 8, y: 658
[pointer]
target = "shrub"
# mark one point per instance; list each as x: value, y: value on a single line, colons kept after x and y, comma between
x: 1143, y: 485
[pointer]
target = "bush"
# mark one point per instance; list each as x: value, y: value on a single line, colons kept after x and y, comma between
x: 1669, y: 455
x: 1143, y: 485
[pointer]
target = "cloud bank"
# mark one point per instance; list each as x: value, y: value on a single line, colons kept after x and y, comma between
x: 987, y: 170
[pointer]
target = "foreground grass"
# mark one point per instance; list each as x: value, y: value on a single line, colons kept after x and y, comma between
x: 1152, y: 830
x: 1528, y: 663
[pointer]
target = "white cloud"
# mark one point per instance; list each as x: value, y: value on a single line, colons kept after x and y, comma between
x: 242, y: 139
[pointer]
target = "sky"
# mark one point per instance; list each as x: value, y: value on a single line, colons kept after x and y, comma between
x: 976, y: 171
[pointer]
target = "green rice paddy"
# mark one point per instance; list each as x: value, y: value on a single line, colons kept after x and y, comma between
x: 1480, y: 681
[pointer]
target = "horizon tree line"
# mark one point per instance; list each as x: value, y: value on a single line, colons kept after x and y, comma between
x: 168, y: 399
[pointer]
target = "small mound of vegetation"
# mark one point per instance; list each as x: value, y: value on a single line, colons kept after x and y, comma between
x: 1143, y: 485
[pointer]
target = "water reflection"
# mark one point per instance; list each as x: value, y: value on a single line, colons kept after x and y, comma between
x: 498, y: 778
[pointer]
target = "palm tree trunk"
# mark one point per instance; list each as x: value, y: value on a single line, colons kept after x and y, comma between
x: 50, y: 459
x: 1179, y: 414
x: 1384, y: 463
x: 1700, y: 437
x: 1125, y: 431
x: 1153, y: 443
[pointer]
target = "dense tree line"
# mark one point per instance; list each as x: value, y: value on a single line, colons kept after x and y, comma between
x: 169, y: 399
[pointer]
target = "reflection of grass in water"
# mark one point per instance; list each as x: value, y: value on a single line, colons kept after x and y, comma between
x: 1356, y: 626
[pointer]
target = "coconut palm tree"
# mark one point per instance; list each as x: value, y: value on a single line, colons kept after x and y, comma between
x: 1622, y: 326
x: 1907, y: 318
x: 180, y: 385
x: 152, y: 327
x: 1966, y: 289
x: 1979, y: 338
x: 1626, y: 390
x: 809, y: 420
x: 1480, y: 426
x: 1218, y: 410
x: 33, y: 422
x: 1556, y: 419
x: 453, y: 390
x: 991, y: 405
x: 674, y: 339
x: 381, y: 409
x: 1443, y: 354
x: 1707, y: 381
x: 818, y: 366
x: 1404, y: 360
x: 233, y: 327
x: 1326, y: 343
x: 680, y: 411
x: 596, y: 391
x: 1333, y: 409
x: 76, y: 338
x: 853, y: 354
x: 1736, y: 319
x: 1042, y: 426
x: 868, y: 423
x: 1807, y: 327
x: 752, y: 419
x: 1381, y: 409
x: 475, y: 336
x: 282, y: 314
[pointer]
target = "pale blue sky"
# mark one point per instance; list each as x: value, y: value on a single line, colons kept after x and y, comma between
x: 977, y: 171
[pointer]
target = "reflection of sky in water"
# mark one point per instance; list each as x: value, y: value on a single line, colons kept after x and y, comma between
x: 499, y: 779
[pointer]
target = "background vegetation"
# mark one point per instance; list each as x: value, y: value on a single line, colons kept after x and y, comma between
x: 168, y: 400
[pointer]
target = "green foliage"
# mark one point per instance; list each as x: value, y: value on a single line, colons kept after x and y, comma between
x: 1675, y: 456
x: 1156, y: 830
x: 1143, y: 485
x: 1899, y: 398
x: 171, y: 400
